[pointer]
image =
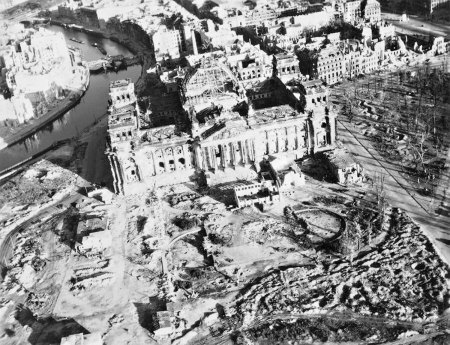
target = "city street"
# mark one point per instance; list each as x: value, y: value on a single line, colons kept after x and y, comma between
x: 416, y: 25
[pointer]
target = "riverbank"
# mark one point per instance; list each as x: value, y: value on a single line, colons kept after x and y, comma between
x: 27, y: 130
x: 134, y: 46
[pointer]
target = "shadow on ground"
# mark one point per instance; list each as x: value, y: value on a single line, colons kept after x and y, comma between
x: 47, y: 330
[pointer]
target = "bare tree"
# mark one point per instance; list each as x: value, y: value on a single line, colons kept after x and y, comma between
x: 349, y: 106
x: 380, y: 195
x: 417, y: 144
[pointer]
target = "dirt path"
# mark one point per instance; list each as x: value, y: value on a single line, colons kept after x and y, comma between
x: 398, y: 191
x: 118, y: 258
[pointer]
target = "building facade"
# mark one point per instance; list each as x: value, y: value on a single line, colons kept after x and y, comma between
x: 372, y: 11
x: 352, y: 11
x: 218, y: 140
x: 435, y: 3
x: 287, y: 67
x: 167, y: 44
x: 34, y: 64
x: 330, y: 65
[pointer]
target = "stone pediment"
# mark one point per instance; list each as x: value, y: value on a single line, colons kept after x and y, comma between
x: 225, y: 131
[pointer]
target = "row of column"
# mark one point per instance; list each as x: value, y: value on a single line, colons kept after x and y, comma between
x: 244, y: 152
x: 292, y: 138
x: 117, y: 173
x: 232, y: 154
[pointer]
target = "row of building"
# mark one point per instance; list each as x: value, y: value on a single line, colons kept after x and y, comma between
x: 338, y: 60
x: 269, y: 13
x: 189, y: 36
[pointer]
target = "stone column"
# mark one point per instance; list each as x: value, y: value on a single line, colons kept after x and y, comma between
x: 210, y: 157
x: 212, y: 153
x: 226, y: 154
x: 222, y: 156
x: 205, y: 157
x: 254, y: 155
x: 277, y: 142
x: 155, y: 172
x: 233, y: 154
x: 247, y: 149
x: 174, y: 157
x: 310, y: 133
x: 166, y: 161
x: 243, y: 151
x: 252, y: 149
x: 198, y: 156
x: 298, y: 137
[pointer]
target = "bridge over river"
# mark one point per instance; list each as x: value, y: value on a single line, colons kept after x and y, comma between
x: 115, y: 62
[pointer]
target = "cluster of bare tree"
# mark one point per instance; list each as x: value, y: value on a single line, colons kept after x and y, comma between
x: 410, y: 115
x: 426, y: 121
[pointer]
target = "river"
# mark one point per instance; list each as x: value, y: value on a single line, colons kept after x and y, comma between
x: 92, y: 106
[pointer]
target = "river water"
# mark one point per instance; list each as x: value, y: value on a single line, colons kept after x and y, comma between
x: 92, y: 106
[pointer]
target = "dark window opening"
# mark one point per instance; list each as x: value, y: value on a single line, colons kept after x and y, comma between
x: 219, y: 152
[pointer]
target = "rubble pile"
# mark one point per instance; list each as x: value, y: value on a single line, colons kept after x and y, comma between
x: 145, y: 224
x: 183, y: 200
x: 325, y: 329
x: 202, y: 281
x: 89, y: 276
x: 82, y: 283
x: 32, y: 254
x: 403, y: 279
x: 208, y: 204
x: 263, y: 231
x: 27, y: 255
x: 218, y: 235
x: 37, y: 186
